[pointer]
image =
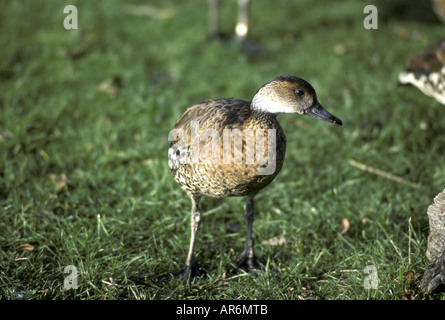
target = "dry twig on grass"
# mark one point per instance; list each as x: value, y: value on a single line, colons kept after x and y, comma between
x: 382, y: 173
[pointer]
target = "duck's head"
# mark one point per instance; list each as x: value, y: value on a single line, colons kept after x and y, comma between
x: 289, y: 94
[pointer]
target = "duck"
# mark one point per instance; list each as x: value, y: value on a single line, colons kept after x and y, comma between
x: 426, y: 71
x: 219, y: 146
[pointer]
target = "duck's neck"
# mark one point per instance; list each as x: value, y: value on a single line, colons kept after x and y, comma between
x: 262, y: 117
x: 260, y: 113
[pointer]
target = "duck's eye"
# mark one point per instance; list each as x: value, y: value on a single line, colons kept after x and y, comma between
x: 299, y: 92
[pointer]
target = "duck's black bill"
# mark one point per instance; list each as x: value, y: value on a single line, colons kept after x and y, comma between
x: 317, y: 111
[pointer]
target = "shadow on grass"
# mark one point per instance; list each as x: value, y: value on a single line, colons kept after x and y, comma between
x: 420, y: 11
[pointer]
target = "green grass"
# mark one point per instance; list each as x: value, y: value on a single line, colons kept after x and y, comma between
x: 120, y: 218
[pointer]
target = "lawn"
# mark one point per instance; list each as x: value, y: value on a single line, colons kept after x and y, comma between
x: 84, y: 179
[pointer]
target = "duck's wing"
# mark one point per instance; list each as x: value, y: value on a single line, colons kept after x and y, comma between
x: 217, y: 114
x: 426, y: 71
x: 428, y: 60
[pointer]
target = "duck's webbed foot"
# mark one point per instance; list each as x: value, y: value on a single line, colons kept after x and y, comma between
x: 188, y: 273
x: 250, y: 263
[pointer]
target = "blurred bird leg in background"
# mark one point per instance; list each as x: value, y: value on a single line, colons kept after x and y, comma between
x: 242, y: 25
x: 213, y: 18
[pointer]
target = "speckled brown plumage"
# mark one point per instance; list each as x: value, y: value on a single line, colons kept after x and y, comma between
x: 226, y: 177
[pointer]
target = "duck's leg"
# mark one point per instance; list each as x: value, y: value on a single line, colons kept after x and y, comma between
x: 191, y: 268
x: 247, y: 260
